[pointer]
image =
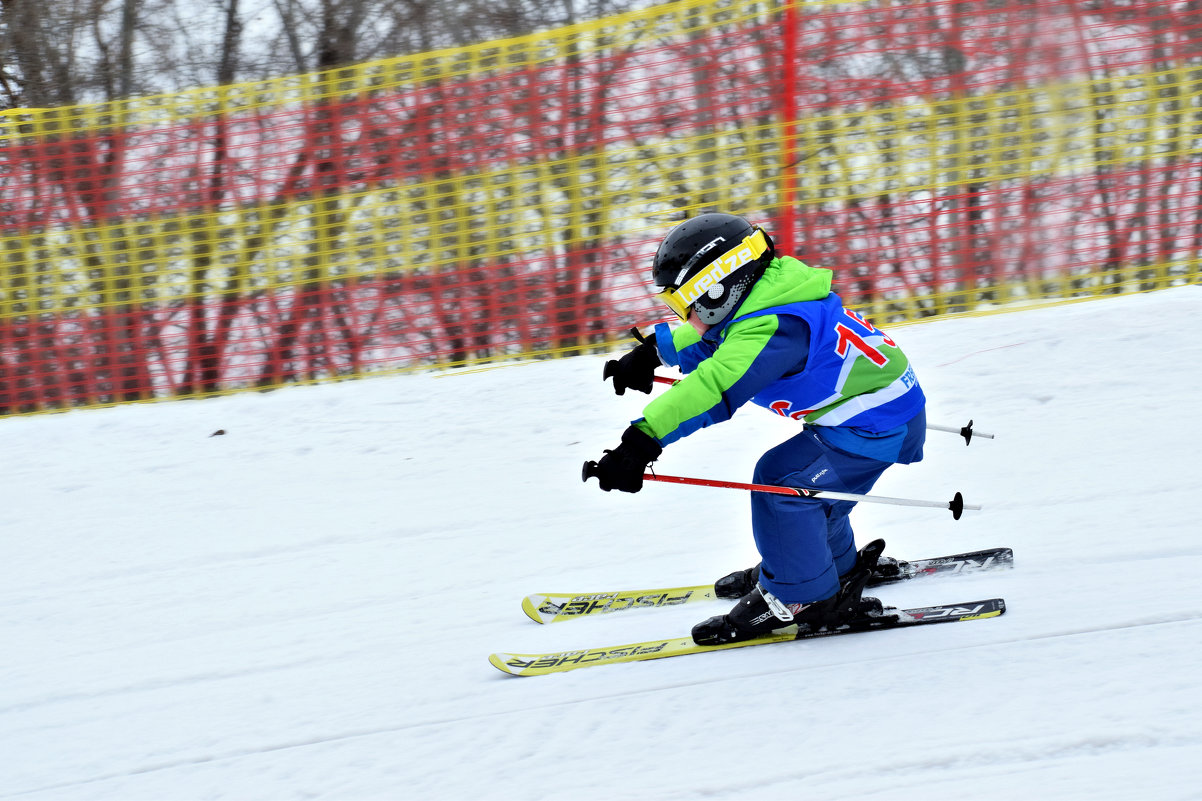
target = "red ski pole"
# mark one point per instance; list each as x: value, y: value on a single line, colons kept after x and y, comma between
x: 956, y: 504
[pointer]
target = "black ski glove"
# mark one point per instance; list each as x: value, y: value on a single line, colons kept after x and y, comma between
x: 622, y: 468
x: 635, y: 370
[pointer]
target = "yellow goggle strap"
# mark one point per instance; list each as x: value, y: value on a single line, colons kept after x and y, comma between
x: 680, y: 299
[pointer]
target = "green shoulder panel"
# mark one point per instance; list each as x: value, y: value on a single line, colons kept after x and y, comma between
x: 703, y: 389
x: 787, y: 280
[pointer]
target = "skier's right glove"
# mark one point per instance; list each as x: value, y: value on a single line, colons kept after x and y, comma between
x: 635, y: 370
x: 622, y: 468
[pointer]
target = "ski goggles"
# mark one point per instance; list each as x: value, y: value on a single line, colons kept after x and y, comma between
x: 681, y: 298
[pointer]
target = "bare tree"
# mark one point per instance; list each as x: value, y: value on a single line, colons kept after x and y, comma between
x: 62, y: 52
x: 38, y: 60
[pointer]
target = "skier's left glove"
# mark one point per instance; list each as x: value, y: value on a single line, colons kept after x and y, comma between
x: 635, y: 370
x: 622, y: 468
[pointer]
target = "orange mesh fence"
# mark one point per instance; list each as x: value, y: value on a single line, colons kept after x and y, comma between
x: 504, y: 200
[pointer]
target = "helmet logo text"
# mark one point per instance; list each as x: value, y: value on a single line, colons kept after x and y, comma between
x: 750, y: 249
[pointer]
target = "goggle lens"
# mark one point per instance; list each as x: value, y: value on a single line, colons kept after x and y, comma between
x: 670, y: 299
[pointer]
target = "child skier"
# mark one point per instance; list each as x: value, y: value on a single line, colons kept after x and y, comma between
x: 766, y: 328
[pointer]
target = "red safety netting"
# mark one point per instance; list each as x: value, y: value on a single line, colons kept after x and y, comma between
x: 504, y: 200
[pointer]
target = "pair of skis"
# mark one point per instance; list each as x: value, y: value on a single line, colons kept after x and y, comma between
x: 556, y: 608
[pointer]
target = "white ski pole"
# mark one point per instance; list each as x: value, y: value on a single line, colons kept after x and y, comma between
x: 965, y: 431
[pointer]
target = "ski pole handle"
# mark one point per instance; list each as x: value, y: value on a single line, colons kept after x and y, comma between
x: 590, y: 470
x: 611, y: 366
x: 965, y: 431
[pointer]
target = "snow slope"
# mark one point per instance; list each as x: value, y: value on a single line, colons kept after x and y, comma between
x: 303, y: 606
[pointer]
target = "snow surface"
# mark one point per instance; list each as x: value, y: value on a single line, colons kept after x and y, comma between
x: 303, y: 607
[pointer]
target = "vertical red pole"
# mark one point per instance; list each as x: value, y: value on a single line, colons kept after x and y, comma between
x: 786, y: 233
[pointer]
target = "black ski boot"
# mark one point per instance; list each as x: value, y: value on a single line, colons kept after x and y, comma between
x: 738, y: 583
x: 759, y: 612
x: 741, y: 582
x: 852, y: 603
x: 888, y: 568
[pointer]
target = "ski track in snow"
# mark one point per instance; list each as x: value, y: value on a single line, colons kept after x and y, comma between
x: 303, y: 606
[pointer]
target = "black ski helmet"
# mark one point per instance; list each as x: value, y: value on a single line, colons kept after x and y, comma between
x: 709, y: 262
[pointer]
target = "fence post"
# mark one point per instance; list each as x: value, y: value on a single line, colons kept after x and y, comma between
x: 787, y: 224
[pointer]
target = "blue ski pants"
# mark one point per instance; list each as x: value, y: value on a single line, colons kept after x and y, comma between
x: 807, y: 543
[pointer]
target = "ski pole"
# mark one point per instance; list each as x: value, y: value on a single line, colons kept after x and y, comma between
x: 964, y: 431
x: 956, y: 504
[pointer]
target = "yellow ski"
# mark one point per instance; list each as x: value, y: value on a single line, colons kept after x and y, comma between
x: 890, y: 618
x: 554, y: 608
